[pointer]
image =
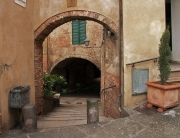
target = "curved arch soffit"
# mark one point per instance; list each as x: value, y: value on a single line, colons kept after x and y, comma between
x: 57, y: 20
x: 88, y: 58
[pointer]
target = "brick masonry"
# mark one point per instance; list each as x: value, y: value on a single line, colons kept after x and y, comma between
x: 110, y: 97
x: 111, y: 105
x: 60, y: 45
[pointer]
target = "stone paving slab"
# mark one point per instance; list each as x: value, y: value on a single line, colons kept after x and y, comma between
x: 124, y: 128
x: 146, y: 133
x: 157, y: 125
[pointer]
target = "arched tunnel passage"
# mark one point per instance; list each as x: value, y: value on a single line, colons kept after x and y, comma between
x: 83, y: 77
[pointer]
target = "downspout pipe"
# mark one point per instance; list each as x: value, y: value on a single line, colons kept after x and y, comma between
x: 121, y: 62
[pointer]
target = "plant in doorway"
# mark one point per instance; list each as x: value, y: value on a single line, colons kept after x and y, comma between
x: 64, y: 87
x: 50, y: 83
x: 162, y: 93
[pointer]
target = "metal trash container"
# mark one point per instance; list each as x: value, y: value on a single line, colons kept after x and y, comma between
x: 29, y: 117
x: 19, y: 96
x: 92, y: 111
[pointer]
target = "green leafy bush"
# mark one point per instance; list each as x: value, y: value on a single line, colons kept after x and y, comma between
x: 50, y: 83
x: 64, y: 85
x: 164, y: 57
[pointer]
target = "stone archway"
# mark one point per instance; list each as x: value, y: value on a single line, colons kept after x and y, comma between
x: 89, y: 58
x: 46, y: 28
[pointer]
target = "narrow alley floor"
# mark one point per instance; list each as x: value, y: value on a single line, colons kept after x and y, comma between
x: 137, y: 125
x: 73, y: 107
x: 72, y: 111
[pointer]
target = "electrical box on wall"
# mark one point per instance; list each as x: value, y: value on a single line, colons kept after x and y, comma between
x: 139, y: 79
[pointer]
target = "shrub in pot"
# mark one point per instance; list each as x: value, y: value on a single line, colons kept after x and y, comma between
x: 161, y: 93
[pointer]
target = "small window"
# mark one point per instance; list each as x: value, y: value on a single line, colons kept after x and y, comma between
x: 78, y: 32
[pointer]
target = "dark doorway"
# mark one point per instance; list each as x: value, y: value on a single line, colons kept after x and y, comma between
x: 83, y: 77
x: 168, y: 19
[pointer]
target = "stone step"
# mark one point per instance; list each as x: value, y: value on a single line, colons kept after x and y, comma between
x: 76, y: 112
x: 50, y: 123
x: 175, y: 79
x: 174, y: 74
x: 175, y: 70
x: 55, y: 123
x: 70, y: 109
x: 68, y: 113
x: 72, y: 118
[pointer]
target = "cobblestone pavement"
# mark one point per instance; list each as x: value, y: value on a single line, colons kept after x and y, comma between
x: 137, y: 125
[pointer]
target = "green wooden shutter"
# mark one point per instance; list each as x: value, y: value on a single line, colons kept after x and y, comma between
x: 78, y: 31
x: 82, y: 32
x: 75, y: 32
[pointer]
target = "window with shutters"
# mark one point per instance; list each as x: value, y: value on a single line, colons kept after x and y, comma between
x: 78, y: 31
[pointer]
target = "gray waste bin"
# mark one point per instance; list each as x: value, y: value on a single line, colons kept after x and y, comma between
x: 29, y: 117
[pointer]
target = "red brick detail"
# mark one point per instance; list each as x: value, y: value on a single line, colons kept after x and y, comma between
x: 89, y: 58
x: 45, y: 29
x: 38, y: 68
x: 50, y: 24
x: 110, y: 98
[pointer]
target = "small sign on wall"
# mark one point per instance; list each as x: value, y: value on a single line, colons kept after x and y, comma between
x: 139, y: 79
x: 71, y: 3
x: 21, y: 2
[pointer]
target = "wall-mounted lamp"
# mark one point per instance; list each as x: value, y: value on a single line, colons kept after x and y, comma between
x: 86, y: 42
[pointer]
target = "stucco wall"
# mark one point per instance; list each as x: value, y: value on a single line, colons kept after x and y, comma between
x: 143, y: 24
x: 48, y: 8
x: 16, y: 58
x: 175, y: 10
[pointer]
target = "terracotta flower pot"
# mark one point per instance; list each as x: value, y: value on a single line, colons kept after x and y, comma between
x: 162, y: 96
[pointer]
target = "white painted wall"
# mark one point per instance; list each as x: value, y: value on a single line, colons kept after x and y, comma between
x: 175, y: 7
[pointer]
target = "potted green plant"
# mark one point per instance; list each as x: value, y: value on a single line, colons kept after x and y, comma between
x: 161, y: 93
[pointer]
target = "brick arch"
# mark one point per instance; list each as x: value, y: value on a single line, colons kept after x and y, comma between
x: 46, y: 28
x: 57, y: 20
x: 89, y: 58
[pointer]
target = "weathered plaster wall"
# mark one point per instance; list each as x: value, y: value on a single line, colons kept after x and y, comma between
x: 143, y: 24
x: 16, y: 58
x: 60, y: 44
x: 105, y: 58
x: 175, y: 4
x: 48, y: 8
x: 110, y: 77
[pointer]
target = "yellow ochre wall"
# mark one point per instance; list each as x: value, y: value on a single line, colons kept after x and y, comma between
x: 143, y: 25
x: 16, y: 54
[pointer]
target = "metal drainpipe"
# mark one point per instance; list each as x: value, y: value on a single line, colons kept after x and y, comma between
x: 121, y: 66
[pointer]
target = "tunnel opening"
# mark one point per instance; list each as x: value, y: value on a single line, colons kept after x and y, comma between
x: 83, y: 77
